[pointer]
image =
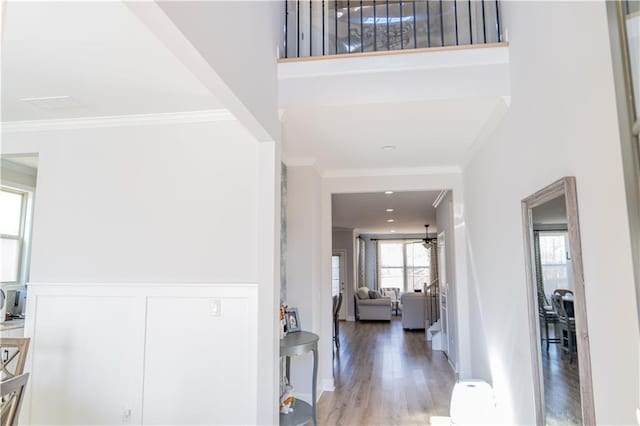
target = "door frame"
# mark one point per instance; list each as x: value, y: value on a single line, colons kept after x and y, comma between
x: 441, y: 258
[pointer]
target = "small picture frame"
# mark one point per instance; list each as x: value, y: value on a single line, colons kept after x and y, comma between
x: 292, y: 320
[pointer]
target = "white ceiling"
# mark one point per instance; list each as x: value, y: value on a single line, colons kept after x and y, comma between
x: 98, y: 53
x: 366, y: 212
x: 425, y: 133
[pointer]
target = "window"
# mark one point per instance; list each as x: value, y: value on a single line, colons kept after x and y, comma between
x: 554, y: 260
x: 12, y: 224
x: 335, y: 275
x: 417, y: 266
x: 403, y: 265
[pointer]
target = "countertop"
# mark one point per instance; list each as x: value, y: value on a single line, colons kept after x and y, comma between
x: 10, y: 325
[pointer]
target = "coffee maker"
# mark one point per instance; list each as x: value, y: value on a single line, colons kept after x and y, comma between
x: 12, y: 302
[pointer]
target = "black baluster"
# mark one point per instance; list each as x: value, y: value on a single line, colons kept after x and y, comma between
x: 429, y: 25
x: 441, y: 26
x: 298, y: 28
x: 415, y: 27
x: 348, y: 26
x: 361, y: 29
x: 322, y: 27
x: 455, y: 17
x: 470, y: 24
x: 335, y: 15
x: 484, y: 23
x: 375, y: 27
x: 401, y: 33
x: 498, y: 22
x: 388, y: 34
x: 310, y: 27
x: 286, y: 26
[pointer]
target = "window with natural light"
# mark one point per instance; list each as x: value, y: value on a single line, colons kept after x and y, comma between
x: 12, y: 219
x: 554, y: 260
x: 403, y: 265
x: 335, y: 275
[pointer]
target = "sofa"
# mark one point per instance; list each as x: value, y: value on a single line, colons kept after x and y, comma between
x: 371, y: 309
x: 414, y: 310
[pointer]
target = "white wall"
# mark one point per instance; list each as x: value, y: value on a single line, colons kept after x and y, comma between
x: 305, y: 288
x: 162, y: 205
x: 240, y: 41
x: 562, y: 121
x: 344, y: 239
x: 146, y: 203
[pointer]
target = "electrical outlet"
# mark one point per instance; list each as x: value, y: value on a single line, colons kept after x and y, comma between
x: 215, y: 308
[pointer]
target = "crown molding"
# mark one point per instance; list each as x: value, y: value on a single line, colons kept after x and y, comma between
x: 299, y: 161
x: 204, y: 116
x: 406, y: 171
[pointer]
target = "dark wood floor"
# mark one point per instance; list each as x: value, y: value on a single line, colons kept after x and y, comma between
x: 561, y: 387
x: 385, y: 375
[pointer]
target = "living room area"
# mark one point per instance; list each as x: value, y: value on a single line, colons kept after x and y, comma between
x: 394, y: 339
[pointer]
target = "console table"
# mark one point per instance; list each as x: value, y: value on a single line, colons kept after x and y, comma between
x: 294, y: 344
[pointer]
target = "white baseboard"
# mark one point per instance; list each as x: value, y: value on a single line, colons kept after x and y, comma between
x: 351, y: 318
x: 328, y: 385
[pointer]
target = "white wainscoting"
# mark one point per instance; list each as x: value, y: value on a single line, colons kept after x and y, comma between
x: 118, y: 353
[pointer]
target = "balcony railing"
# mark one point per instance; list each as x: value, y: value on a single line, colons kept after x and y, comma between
x: 316, y: 28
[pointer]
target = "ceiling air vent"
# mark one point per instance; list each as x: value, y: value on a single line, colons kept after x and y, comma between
x: 52, y: 102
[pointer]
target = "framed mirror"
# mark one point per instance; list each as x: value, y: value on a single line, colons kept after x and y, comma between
x: 557, y: 308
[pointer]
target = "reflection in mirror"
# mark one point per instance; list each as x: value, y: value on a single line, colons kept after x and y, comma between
x: 558, y: 313
x: 554, y: 283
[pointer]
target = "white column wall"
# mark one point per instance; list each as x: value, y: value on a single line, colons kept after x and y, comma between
x: 305, y: 288
x: 562, y: 121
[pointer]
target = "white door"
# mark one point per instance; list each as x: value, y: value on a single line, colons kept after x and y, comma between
x: 338, y: 280
x: 444, y: 292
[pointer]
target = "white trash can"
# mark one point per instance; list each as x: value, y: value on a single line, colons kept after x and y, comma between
x: 472, y: 403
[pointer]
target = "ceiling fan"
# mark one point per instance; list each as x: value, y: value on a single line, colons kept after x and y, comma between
x: 426, y: 241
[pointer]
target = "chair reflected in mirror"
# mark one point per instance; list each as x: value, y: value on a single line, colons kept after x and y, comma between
x: 548, y: 316
x: 563, y: 305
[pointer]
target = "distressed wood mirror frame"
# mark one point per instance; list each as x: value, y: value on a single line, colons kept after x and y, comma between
x: 567, y: 187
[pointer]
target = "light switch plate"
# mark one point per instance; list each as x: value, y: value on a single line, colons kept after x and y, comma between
x: 215, y: 308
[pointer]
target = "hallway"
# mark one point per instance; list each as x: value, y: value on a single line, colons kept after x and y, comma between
x: 385, y: 375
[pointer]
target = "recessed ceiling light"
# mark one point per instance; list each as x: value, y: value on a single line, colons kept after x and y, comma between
x: 389, y: 210
x: 388, y: 192
x: 392, y: 231
x: 388, y: 148
x: 390, y: 220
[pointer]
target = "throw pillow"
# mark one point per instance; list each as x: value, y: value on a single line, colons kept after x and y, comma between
x: 363, y: 293
x: 373, y: 294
